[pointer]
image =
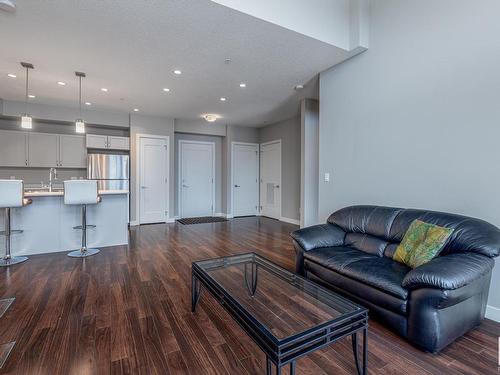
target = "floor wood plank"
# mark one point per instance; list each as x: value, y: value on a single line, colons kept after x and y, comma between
x: 127, y: 311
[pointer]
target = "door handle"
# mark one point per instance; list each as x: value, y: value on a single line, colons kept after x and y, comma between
x: 144, y: 187
x: 277, y: 186
x: 184, y: 185
x: 237, y: 186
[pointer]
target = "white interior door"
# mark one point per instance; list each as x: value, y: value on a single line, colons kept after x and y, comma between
x: 153, y: 181
x: 245, y: 174
x: 196, y: 178
x: 270, y: 179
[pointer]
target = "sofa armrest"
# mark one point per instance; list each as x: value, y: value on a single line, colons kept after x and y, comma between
x: 449, y: 272
x: 325, y: 235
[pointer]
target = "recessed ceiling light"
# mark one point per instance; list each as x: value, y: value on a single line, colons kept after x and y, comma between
x: 136, y: 109
x: 104, y: 89
x: 31, y: 96
x: 178, y: 72
x: 88, y: 103
x: 223, y: 99
x: 10, y: 75
x: 61, y: 83
x: 210, y: 118
x: 166, y: 89
x: 243, y: 85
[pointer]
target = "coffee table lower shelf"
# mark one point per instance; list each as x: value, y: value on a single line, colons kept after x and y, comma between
x: 287, y: 352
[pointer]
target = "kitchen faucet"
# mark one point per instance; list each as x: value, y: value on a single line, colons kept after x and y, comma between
x: 52, y: 177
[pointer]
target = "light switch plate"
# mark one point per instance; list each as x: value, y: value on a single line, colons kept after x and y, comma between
x: 327, y: 177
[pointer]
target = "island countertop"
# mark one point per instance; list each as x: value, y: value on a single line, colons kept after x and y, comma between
x: 59, y: 193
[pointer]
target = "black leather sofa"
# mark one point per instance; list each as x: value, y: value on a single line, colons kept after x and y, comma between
x: 431, y: 305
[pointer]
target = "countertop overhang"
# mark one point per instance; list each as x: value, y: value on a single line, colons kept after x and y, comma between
x: 34, y: 194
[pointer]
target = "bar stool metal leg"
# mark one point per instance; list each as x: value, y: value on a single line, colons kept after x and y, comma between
x: 8, y: 259
x: 84, y: 252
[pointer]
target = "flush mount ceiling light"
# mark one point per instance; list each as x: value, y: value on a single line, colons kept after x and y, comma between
x: 31, y: 96
x: 243, y: 85
x: 26, y: 120
x: 177, y: 72
x: 136, y: 109
x: 79, y: 123
x: 61, y: 83
x: 210, y: 117
x: 10, y: 75
x: 104, y: 89
x: 298, y: 87
x: 166, y: 89
x: 7, y: 6
x: 88, y: 103
x: 223, y: 99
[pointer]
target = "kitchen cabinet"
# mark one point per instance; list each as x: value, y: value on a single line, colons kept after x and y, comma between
x: 97, y: 141
x: 72, y: 151
x: 13, y: 149
x: 119, y: 143
x: 108, y: 142
x: 43, y: 150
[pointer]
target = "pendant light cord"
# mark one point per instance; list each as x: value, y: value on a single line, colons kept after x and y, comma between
x: 26, y: 96
x: 80, y: 97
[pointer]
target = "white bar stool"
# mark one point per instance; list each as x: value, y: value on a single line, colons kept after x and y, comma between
x: 82, y: 192
x: 11, y: 196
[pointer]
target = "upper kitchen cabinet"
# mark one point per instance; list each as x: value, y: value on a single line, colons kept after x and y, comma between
x: 43, y: 150
x: 119, y: 143
x: 13, y: 149
x: 72, y: 151
x: 97, y: 141
x: 107, y: 142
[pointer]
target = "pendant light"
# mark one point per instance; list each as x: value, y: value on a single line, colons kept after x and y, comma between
x: 79, y: 123
x: 26, y: 120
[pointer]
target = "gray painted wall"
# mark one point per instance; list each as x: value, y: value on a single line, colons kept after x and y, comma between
x: 289, y: 133
x: 414, y: 121
x: 218, y: 166
x: 309, y: 162
x: 140, y: 124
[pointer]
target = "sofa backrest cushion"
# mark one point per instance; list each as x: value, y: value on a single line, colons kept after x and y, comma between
x: 382, y: 229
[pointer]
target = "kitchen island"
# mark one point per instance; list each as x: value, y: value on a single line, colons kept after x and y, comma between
x: 48, y: 223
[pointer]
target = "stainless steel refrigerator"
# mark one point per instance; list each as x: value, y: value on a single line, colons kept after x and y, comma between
x: 110, y: 170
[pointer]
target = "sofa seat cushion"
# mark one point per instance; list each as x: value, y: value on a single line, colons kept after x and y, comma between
x: 379, y: 272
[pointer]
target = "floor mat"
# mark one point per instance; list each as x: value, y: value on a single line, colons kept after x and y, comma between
x: 201, y: 220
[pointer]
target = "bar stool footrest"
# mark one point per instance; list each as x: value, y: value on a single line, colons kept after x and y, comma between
x: 88, y: 226
x: 13, y: 231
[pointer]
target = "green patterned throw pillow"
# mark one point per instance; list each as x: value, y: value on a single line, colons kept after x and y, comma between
x: 421, y: 242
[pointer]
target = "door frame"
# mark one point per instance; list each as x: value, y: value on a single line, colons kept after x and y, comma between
x: 280, y: 180
x: 257, y: 212
x: 179, y: 182
x: 138, y: 174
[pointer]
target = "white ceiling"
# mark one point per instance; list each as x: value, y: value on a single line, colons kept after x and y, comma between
x: 132, y: 47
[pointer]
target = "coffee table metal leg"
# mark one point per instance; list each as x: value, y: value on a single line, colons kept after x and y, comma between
x: 268, y: 366
x: 292, y: 368
x: 195, y: 292
x: 361, y: 369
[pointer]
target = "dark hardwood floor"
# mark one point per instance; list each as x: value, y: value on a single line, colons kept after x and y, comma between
x: 127, y: 311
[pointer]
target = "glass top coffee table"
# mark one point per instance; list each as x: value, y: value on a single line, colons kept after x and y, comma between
x: 286, y: 315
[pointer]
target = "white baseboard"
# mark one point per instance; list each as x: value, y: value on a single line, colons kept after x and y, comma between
x: 171, y: 220
x: 493, y: 313
x: 134, y: 223
x: 291, y: 221
x: 221, y: 214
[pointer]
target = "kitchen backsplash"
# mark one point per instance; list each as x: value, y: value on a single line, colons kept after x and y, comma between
x: 33, y: 177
